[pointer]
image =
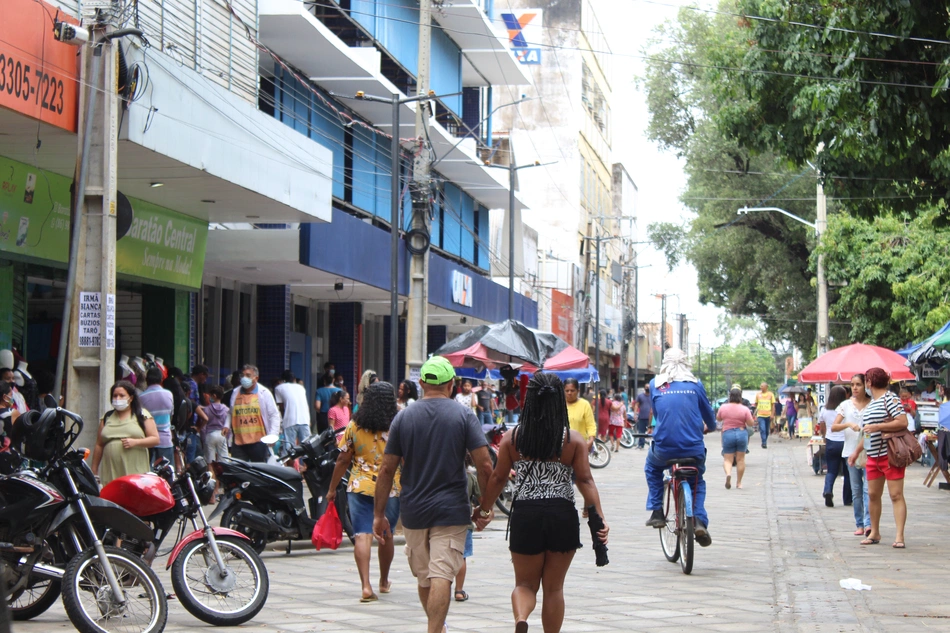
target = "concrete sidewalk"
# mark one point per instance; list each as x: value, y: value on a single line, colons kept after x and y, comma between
x: 774, y: 565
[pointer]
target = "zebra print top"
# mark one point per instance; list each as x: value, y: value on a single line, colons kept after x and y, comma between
x: 544, y: 480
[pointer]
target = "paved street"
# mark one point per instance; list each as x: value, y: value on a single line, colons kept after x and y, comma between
x: 775, y: 563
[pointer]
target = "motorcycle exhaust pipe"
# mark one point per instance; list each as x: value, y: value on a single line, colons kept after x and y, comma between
x: 48, y: 571
x: 258, y: 521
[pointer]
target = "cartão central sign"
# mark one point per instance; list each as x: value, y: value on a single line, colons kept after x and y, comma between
x: 461, y: 289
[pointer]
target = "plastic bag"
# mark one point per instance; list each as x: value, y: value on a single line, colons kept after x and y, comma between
x: 328, y: 532
x: 853, y: 584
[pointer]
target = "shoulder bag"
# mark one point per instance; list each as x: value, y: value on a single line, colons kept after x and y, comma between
x: 902, y: 448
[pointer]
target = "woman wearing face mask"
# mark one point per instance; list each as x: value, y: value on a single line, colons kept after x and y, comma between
x: 125, y: 435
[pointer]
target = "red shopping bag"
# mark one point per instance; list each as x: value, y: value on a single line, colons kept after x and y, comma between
x: 328, y: 532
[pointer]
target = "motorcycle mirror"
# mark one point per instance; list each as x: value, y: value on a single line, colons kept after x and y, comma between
x: 270, y: 440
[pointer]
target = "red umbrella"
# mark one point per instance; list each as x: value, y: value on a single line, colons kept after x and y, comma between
x: 840, y: 364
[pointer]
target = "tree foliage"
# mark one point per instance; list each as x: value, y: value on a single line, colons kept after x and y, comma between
x: 748, y: 102
x: 893, y: 272
x: 747, y: 363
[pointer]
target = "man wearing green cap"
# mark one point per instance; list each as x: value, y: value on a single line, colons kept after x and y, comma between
x: 431, y: 439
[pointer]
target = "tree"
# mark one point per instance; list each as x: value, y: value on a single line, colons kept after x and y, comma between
x: 893, y: 272
x: 748, y: 363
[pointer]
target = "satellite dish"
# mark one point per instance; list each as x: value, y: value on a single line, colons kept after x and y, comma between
x: 123, y: 215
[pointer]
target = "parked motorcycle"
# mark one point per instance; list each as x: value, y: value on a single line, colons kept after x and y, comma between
x: 53, y: 535
x: 266, y: 502
x: 217, y: 575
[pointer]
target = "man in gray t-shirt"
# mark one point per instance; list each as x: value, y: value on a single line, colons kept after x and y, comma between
x: 431, y: 438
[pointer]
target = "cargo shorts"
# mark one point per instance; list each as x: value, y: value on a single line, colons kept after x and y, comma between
x: 436, y: 552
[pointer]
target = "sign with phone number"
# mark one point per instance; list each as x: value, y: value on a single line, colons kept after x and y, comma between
x: 39, y: 76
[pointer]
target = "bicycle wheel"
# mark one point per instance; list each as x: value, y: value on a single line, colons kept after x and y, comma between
x: 687, y: 536
x: 627, y: 440
x: 599, y: 454
x: 669, y: 535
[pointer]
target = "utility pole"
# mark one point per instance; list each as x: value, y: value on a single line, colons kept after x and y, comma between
x: 88, y: 361
x: 636, y: 329
x: 821, y: 222
x: 597, y: 309
x: 664, y: 343
x: 417, y: 322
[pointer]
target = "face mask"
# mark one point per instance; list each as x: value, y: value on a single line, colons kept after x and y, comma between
x: 246, y: 382
x: 332, y: 371
x: 867, y: 390
x: 120, y: 405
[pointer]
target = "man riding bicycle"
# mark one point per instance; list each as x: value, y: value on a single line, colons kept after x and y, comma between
x: 681, y: 408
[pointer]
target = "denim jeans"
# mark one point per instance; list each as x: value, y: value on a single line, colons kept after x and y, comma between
x: 859, y: 491
x: 836, y: 464
x: 791, y: 425
x: 764, y: 430
x: 653, y: 469
x: 642, y: 426
x: 192, y: 446
x: 484, y: 417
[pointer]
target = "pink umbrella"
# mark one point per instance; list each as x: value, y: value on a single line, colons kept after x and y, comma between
x: 840, y: 364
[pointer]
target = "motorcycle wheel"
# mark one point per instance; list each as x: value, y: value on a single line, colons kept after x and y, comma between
x: 88, y: 600
x: 35, y: 599
x: 258, y: 539
x: 228, y: 601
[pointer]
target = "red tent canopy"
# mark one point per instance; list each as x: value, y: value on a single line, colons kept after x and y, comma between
x: 568, y: 358
x: 840, y: 364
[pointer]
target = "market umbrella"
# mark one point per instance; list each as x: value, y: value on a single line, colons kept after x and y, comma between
x: 586, y: 375
x: 921, y: 349
x: 513, y: 344
x: 840, y: 364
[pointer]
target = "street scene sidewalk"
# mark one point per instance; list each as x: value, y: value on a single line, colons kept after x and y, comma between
x: 777, y: 557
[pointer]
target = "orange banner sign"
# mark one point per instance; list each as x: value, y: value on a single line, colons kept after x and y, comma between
x: 39, y: 76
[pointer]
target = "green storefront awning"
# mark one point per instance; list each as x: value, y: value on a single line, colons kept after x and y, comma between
x: 163, y: 246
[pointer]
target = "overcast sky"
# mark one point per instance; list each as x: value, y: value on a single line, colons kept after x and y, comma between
x: 658, y: 175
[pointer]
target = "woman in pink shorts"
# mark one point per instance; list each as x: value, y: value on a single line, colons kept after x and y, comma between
x: 884, y: 414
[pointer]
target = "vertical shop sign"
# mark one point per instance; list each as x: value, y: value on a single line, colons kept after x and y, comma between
x: 461, y: 289
x: 524, y: 34
x: 90, y: 319
x: 110, y: 321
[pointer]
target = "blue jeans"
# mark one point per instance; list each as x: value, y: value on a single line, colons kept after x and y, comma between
x: 791, y: 425
x: 653, y: 469
x: 192, y: 444
x: 764, y: 429
x: 859, y: 491
x: 484, y: 417
x: 157, y: 452
x: 294, y: 435
x: 642, y: 426
x: 836, y: 464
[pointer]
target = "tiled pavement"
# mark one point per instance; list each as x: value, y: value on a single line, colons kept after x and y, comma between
x: 774, y: 565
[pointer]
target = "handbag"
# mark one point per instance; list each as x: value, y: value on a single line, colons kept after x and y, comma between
x: 328, y: 532
x: 902, y: 448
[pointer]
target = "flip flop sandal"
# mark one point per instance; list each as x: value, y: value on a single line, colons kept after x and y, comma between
x: 870, y: 541
x: 463, y: 598
x: 898, y: 545
x: 859, y: 532
x: 372, y: 598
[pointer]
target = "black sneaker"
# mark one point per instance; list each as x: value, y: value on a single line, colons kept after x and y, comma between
x: 702, y: 535
x: 657, y: 520
x: 829, y: 500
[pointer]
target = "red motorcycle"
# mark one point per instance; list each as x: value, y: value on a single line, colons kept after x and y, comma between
x: 217, y: 575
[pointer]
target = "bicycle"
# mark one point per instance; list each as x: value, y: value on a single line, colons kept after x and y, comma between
x: 677, y: 538
x: 628, y: 439
x: 599, y: 455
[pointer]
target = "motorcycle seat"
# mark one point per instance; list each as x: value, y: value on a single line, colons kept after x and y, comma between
x: 280, y: 472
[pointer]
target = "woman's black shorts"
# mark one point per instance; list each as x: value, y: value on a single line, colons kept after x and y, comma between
x: 544, y: 525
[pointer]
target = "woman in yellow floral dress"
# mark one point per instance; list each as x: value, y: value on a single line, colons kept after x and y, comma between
x: 363, y: 444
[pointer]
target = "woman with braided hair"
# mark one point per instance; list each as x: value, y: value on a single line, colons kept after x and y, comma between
x: 363, y: 444
x: 545, y: 530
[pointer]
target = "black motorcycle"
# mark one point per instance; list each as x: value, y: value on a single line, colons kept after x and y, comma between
x: 265, y: 502
x: 53, y: 530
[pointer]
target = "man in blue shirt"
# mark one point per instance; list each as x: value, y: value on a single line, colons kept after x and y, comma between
x: 159, y: 403
x: 681, y: 408
x: 644, y: 413
x: 322, y: 401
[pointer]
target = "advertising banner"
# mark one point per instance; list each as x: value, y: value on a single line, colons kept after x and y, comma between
x: 39, y: 76
x: 562, y: 315
x: 162, y: 245
x: 524, y: 34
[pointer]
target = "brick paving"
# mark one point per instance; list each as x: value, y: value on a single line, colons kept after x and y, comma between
x: 776, y: 559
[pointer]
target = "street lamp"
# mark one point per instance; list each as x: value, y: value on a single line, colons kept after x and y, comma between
x: 396, y: 101
x: 819, y: 227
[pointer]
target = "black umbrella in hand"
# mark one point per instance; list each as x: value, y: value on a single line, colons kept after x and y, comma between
x: 596, y: 524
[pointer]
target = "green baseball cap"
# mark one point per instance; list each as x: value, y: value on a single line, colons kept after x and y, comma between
x: 437, y: 371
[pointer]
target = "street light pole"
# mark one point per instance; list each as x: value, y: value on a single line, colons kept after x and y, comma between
x: 819, y: 226
x: 394, y: 223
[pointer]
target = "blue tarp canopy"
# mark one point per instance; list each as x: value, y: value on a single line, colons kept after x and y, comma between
x: 925, y: 345
x: 581, y: 375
